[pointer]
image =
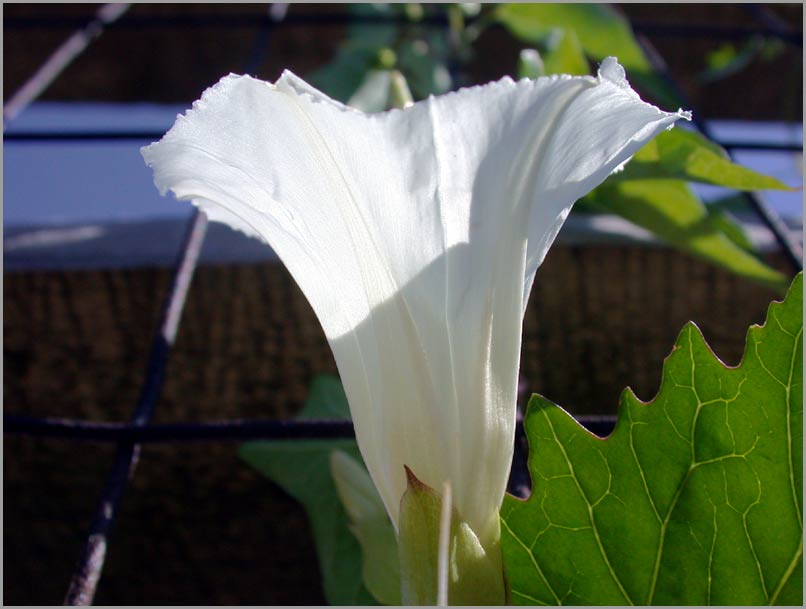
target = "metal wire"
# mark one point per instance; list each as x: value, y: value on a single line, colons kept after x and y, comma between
x: 84, y: 582
x: 239, y: 430
x: 60, y: 59
x: 221, y: 21
x: 150, y: 136
x: 772, y: 22
x: 767, y: 146
x: 178, y: 432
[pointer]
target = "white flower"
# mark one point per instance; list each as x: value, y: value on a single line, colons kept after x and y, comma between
x: 415, y: 234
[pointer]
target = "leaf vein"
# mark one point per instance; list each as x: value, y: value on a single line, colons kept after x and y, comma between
x: 789, y: 427
x: 534, y: 562
x: 788, y: 573
x: 533, y: 601
x: 594, y: 528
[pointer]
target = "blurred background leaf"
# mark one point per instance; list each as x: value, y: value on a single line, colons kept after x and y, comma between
x: 530, y: 64
x: 600, y: 30
x: 302, y: 468
x: 361, y: 51
x: 651, y: 191
x: 371, y: 525
x: 420, y: 53
x: 669, y: 210
x: 728, y: 60
x: 373, y: 92
x: 680, y: 153
x: 564, y: 53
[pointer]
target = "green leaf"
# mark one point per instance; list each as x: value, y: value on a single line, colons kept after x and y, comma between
x: 370, y: 525
x: 671, y: 211
x: 421, y: 56
x: 687, y: 155
x: 723, y: 212
x: 422, y: 61
x: 733, y: 203
x: 363, y: 48
x: 302, y: 469
x: 723, y: 221
x: 565, y: 54
x: 601, y: 31
x: 694, y: 499
x: 726, y: 60
x: 342, y: 76
x: 420, y: 510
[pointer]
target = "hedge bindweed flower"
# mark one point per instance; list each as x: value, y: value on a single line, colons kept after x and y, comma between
x: 415, y: 234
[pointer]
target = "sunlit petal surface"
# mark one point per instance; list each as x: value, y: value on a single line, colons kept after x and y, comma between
x: 415, y: 234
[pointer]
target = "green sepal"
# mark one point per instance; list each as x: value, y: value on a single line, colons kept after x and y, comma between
x: 475, y: 573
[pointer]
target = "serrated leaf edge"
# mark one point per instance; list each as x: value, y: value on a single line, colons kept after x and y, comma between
x: 688, y: 331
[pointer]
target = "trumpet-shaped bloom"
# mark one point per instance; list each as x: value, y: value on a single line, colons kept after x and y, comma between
x: 415, y: 234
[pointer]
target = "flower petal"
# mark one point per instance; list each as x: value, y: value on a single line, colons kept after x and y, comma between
x: 415, y: 234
